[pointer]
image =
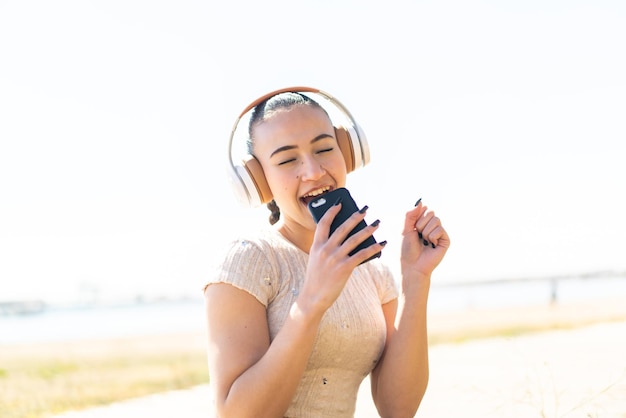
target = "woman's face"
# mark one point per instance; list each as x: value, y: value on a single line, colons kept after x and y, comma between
x: 300, y: 157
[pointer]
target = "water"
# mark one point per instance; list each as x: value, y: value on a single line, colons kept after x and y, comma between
x: 103, y: 322
x: 169, y: 317
x: 525, y: 293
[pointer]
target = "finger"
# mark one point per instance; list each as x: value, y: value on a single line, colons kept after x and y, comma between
x: 366, y: 253
x: 411, y: 218
x: 323, y: 226
x: 343, y: 230
x: 431, y: 229
x: 439, y: 237
x: 419, y: 219
x: 352, y: 242
x: 423, y: 221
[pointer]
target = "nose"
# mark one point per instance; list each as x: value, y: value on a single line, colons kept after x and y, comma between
x: 312, y: 169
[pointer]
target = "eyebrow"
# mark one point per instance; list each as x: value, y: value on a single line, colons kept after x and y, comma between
x: 290, y: 147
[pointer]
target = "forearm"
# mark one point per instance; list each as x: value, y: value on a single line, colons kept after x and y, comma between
x: 267, y: 387
x: 401, y: 378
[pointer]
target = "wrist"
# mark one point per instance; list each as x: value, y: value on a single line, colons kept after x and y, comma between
x: 415, y: 283
x: 306, y: 313
x: 413, y: 298
x: 410, y: 274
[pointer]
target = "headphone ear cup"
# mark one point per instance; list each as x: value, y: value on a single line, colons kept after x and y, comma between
x: 255, y: 171
x: 249, y: 183
x: 345, y: 145
x: 353, y: 145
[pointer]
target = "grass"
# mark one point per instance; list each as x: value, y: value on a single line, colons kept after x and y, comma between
x: 36, y: 381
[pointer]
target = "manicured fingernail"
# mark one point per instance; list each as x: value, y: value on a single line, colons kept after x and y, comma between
x: 418, y: 201
x: 432, y: 245
x: 376, y: 222
x: 383, y: 243
x: 425, y: 243
x: 338, y: 201
x: 419, y: 234
x: 363, y: 209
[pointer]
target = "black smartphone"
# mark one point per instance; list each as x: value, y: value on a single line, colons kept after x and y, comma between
x: 321, y: 204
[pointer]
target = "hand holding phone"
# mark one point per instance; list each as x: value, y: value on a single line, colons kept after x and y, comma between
x: 320, y: 205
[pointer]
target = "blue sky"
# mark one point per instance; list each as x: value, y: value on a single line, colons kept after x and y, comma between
x: 507, y: 118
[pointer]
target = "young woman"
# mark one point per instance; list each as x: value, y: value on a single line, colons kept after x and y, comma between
x: 294, y: 322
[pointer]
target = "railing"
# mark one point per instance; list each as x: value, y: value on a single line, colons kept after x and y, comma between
x: 552, y: 280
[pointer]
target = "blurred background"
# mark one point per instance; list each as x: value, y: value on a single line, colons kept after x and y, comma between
x: 507, y: 118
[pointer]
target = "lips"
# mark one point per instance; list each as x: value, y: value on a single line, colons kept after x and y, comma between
x: 314, y: 194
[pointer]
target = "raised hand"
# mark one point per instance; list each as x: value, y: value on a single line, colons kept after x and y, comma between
x: 424, y: 242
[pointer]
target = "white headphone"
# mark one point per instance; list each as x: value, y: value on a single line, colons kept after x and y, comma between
x: 247, y: 177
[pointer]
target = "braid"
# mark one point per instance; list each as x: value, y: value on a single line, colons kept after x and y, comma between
x: 275, y: 215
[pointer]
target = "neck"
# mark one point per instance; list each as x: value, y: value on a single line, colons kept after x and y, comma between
x: 298, y: 235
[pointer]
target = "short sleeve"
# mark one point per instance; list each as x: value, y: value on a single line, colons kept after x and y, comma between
x: 246, y: 266
x: 385, y: 283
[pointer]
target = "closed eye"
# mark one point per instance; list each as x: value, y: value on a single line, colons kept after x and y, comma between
x: 287, y: 161
x: 325, y: 150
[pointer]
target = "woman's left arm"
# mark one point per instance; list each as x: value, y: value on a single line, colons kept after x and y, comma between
x: 399, y: 380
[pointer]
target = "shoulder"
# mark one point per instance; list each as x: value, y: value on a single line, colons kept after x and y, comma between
x: 252, y: 263
x: 382, y: 277
x: 251, y: 246
x: 377, y: 270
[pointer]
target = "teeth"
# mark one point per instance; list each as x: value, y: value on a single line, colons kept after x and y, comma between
x: 317, y: 192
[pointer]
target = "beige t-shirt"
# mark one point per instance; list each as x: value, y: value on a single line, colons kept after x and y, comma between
x: 352, y: 333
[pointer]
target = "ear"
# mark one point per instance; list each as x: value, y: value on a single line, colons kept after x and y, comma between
x: 345, y: 145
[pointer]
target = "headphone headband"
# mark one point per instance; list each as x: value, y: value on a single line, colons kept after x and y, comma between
x: 247, y: 177
x: 280, y: 91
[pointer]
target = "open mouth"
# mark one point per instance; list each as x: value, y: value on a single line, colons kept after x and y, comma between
x: 314, y: 194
